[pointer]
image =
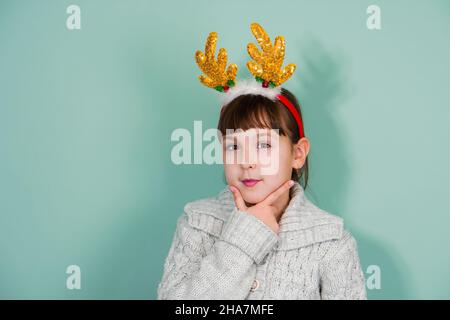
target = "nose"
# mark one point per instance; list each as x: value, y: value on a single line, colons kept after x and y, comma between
x: 248, y: 157
x: 248, y: 161
x: 248, y: 165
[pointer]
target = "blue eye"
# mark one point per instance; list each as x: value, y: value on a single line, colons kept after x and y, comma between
x: 264, y: 145
x: 231, y: 147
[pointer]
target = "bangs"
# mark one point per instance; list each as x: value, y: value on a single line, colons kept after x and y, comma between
x: 252, y: 111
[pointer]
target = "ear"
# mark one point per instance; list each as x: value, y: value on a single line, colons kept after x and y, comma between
x: 300, y: 152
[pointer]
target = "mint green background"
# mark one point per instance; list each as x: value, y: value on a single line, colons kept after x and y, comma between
x: 86, y: 117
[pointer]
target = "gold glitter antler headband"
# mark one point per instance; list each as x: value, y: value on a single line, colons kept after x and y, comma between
x: 216, y: 76
x: 266, y: 65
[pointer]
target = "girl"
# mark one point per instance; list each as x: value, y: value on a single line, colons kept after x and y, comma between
x: 261, y: 237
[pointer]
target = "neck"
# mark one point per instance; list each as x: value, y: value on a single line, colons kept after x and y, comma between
x: 282, y: 202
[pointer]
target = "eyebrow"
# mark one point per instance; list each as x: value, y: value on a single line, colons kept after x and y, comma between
x: 231, y: 137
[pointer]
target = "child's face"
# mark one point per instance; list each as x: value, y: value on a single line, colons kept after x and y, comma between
x: 259, y: 154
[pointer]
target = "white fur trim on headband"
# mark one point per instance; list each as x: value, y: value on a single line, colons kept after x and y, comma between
x: 249, y: 86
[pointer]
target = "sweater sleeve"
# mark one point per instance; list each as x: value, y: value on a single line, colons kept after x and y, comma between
x: 227, y: 271
x: 341, y: 274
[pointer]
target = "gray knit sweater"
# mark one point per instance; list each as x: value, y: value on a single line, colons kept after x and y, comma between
x: 219, y: 252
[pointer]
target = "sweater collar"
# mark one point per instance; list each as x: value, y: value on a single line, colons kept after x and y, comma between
x: 301, y: 224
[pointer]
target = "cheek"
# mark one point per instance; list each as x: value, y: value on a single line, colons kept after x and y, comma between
x: 286, y: 161
x: 230, y: 171
x: 276, y: 162
x: 269, y: 161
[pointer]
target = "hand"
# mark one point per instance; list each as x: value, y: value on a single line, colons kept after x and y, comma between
x: 266, y: 210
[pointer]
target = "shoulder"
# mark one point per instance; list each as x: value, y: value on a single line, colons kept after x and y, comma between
x: 318, y: 216
x: 342, y: 238
x: 217, y: 206
x: 340, y: 249
x: 304, y: 224
x: 330, y: 223
x: 210, y: 213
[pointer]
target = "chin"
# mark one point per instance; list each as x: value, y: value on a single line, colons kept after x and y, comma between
x: 252, y: 199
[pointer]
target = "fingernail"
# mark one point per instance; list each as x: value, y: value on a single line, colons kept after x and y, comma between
x: 232, y: 189
x: 291, y: 183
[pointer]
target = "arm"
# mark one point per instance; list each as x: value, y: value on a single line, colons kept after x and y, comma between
x: 341, y: 274
x: 225, y: 273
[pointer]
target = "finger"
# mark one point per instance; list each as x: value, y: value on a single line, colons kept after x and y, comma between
x: 271, y: 198
x: 238, y: 200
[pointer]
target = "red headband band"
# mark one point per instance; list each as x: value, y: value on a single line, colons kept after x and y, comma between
x: 294, y: 112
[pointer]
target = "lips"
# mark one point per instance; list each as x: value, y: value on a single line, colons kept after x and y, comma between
x: 250, y: 182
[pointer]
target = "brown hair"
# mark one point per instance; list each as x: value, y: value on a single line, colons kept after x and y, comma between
x: 256, y: 111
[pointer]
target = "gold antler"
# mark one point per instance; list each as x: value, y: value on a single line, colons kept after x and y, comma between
x: 216, y: 76
x: 267, y: 64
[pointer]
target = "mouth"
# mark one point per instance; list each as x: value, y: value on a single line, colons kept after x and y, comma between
x: 250, y: 182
